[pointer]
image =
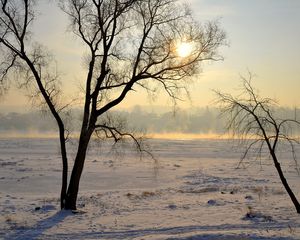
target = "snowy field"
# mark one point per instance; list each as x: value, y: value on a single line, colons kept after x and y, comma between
x: 192, y: 191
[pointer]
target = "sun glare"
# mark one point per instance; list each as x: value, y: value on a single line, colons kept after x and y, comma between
x: 184, y: 49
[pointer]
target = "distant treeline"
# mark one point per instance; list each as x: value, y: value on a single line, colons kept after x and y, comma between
x: 193, y: 121
x: 25, y: 122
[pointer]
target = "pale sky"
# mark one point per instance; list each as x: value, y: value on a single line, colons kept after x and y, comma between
x: 264, y: 37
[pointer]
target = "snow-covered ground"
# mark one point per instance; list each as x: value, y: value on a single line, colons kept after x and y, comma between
x: 192, y: 191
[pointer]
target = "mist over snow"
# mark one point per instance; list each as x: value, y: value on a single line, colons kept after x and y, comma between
x: 152, y: 120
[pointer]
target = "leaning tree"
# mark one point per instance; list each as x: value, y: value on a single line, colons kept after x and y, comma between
x: 253, y: 120
x: 129, y: 43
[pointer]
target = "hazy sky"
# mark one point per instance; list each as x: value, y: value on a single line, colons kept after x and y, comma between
x: 264, y: 37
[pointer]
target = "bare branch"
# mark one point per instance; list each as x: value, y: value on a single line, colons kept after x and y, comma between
x: 254, y: 117
x: 114, y: 127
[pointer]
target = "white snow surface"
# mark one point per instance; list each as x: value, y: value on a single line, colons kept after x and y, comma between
x: 193, y: 190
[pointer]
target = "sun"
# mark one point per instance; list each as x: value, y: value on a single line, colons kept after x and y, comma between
x: 184, y: 49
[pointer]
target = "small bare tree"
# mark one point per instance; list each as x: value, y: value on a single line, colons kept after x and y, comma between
x: 252, y: 120
x: 129, y: 43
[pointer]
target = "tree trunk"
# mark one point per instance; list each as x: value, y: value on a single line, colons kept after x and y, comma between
x: 71, y: 196
x: 285, y: 183
x: 61, y: 127
x: 64, y: 184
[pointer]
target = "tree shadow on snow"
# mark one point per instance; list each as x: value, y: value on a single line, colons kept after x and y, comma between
x: 219, y: 232
x: 36, y: 231
x: 230, y: 237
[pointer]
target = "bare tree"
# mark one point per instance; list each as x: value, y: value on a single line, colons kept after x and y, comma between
x: 253, y: 120
x: 130, y: 43
x: 27, y: 61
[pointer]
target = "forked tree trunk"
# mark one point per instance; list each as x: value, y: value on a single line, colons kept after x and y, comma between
x: 73, y: 188
x: 285, y: 183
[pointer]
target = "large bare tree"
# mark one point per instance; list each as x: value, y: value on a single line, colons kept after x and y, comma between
x: 252, y: 119
x: 130, y: 43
